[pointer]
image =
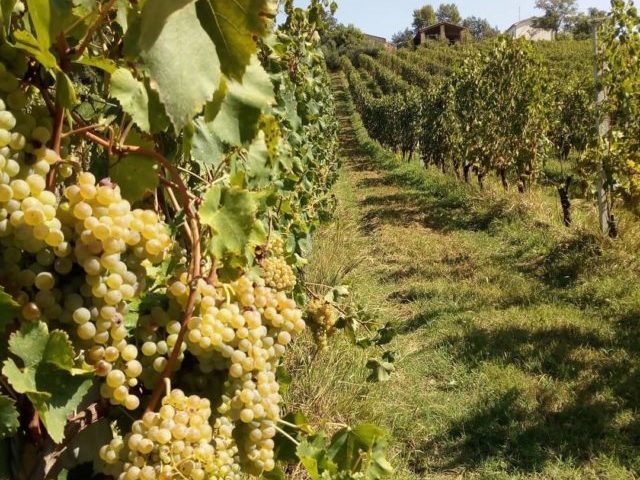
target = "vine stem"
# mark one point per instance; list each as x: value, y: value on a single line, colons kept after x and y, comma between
x: 160, y: 386
x: 196, y: 251
x: 84, y: 43
x: 181, y: 189
x: 285, y: 434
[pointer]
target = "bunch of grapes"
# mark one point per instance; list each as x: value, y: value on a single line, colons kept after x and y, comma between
x: 278, y: 274
x: 240, y: 329
x: 322, y: 318
x: 177, y: 442
x: 78, y: 260
x: 112, y: 243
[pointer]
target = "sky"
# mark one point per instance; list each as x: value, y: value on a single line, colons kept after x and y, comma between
x: 386, y: 17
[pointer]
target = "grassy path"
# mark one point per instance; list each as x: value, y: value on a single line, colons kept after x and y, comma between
x: 518, y: 350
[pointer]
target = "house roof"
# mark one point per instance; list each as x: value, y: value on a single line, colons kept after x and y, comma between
x: 526, y: 21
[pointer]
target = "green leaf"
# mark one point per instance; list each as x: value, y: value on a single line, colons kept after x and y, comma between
x: 28, y: 43
x: 102, y: 63
x: 231, y: 214
x: 233, y: 25
x: 380, y: 371
x: 258, y: 167
x: 65, y: 91
x: 348, y: 445
x: 48, y: 18
x: 66, y: 393
x: 314, y: 457
x: 137, y: 175
x: 207, y: 148
x: 132, y: 95
x: 275, y: 474
x: 237, y: 120
x: 9, y: 422
x: 6, y: 7
x: 41, y: 16
x: 47, y: 376
x: 9, y: 309
x: 184, y: 73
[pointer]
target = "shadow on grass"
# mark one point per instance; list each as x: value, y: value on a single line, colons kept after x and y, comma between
x: 524, y: 429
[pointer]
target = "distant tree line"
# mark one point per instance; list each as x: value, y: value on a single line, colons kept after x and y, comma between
x: 561, y: 16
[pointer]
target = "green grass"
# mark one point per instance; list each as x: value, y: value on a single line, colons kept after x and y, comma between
x: 519, y: 340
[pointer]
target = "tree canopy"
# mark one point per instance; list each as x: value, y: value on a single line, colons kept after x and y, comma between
x: 480, y: 28
x: 448, y: 12
x: 423, y: 17
x: 557, y: 13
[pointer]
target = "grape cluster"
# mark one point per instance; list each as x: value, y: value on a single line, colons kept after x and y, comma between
x: 78, y: 260
x: 32, y: 239
x: 322, y: 320
x: 241, y: 329
x: 278, y: 274
x: 111, y: 244
x: 177, y: 442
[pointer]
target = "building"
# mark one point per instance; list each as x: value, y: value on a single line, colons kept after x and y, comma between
x: 380, y: 41
x: 443, y: 31
x: 527, y: 29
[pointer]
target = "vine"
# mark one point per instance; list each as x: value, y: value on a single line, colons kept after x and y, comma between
x: 157, y: 200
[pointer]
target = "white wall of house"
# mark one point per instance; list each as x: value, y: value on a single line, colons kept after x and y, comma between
x: 525, y: 29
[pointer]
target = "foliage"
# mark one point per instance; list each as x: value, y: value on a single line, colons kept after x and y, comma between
x: 157, y: 197
x: 581, y: 25
x: 403, y: 38
x: 619, y: 148
x: 480, y: 28
x: 556, y: 13
x: 448, y: 12
x: 423, y: 17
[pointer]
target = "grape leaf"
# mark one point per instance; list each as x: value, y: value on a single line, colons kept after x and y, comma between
x: 47, y: 376
x: 9, y: 308
x: 314, y: 457
x: 237, y: 120
x: 347, y: 445
x: 137, y: 175
x: 132, y: 95
x: 65, y: 91
x: 102, y: 63
x: 233, y: 25
x: 28, y: 43
x: 8, y: 417
x: 184, y: 73
x: 67, y: 391
x: 6, y: 8
x: 48, y: 18
x: 257, y: 166
x: 231, y: 214
x: 207, y: 148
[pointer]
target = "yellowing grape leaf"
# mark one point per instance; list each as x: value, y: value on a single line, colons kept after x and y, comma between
x: 236, y: 121
x: 233, y: 27
x: 231, y: 214
x: 132, y: 95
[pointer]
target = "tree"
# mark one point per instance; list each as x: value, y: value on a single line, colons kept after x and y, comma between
x: 448, y: 12
x: 556, y: 13
x: 403, y: 37
x: 480, y: 28
x: 423, y: 17
x: 580, y: 26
